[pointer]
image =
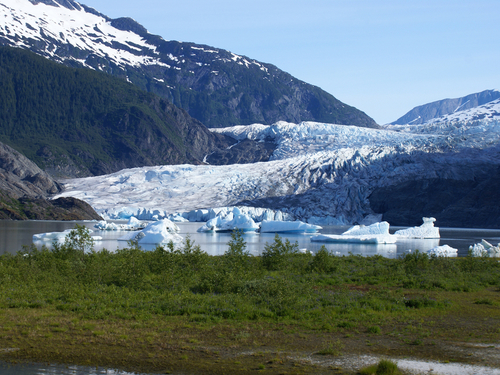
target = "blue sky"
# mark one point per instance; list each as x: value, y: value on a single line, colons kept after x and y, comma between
x: 383, y: 57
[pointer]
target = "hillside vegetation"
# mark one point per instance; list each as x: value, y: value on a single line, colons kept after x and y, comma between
x: 78, y: 122
x: 179, y: 310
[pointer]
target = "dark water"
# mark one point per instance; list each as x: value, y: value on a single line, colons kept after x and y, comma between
x: 54, y: 369
x: 16, y: 234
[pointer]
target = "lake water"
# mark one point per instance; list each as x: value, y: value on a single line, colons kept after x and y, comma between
x: 16, y: 234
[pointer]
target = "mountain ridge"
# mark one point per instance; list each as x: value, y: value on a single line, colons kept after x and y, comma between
x: 441, y: 108
x: 217, y: 87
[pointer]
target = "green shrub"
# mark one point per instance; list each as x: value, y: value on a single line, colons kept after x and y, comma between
x: 323, y: 261
x: 384, y: 367
x: 277, y: 256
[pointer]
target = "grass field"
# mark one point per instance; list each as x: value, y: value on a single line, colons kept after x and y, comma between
x: 179, y: 310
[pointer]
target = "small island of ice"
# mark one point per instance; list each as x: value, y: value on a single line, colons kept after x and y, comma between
x: 443, y: 251
x: 58, y: 236
x: 235, y: 220
x: 133, y: 224
x: 158, y: 232
x: 426, y: 231
x: 377, y: 233
x: 484, y: 248
x: 273, y: 226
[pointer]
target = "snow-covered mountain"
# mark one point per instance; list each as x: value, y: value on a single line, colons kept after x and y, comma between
x: 447, y: 109
x: 319, y: 172
x: 215, y: 86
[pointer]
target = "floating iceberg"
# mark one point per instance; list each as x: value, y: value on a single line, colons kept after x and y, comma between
x: 381, y: 228
x: 362, y: 239
x: 59, y: 236
x: 443, y: 251
x: 484, y: 248
x: 133, y: 224
x: 288, y: 227
x: 377, y: 233
x: 158, y: 232
x: 426, y: 230
x: 234, y: 220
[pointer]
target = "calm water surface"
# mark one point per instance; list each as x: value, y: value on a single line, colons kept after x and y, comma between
x: 16, y: 234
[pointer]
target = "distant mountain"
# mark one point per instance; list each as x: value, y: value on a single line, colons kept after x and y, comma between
x: 447, y: 107
x: 217, y: 87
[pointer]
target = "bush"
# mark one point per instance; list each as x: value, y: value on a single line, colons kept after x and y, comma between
x: 277, y: 255
x: 323, y: 261
x: 384, y: 367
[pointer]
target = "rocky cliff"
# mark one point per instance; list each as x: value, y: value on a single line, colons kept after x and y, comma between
x: 25, y: 188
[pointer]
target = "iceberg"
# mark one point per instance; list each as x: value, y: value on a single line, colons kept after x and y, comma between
x: 443, y: 251
x: 362, y: 239
x: 59, y: 236
x: 426, y: 231
x: 133, y: 224
x: 158, y: 232
x: 484, y: 248
x: 381, y: 228
x: 273, y: 226
x: 234, y: 220
x: 377, y: 233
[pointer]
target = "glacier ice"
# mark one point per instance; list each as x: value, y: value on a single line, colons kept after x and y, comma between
x: 377, y: 233
x: 320, y: 173
x: 426, y: 230
x: 443, y: 251
x: 132, y: 224
x: 288, y: 227
x: 381, y: 228
x: 484, y: 248
x: 235, y: 220
x: 58, y: 236
x: 158, y: 232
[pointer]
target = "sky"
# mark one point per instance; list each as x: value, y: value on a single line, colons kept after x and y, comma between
x: 383, y: 57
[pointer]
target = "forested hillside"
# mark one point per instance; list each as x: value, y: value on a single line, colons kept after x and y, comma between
x: 78, y: 122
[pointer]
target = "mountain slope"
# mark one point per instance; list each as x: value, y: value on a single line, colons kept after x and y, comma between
x: 441, y: 108
x: 78, y: 122
x: 24, y: 189
x: 215, y: 86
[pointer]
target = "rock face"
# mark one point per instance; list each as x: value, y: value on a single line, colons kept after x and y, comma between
x: 217, y: 87
x: 21, y: 177
x: 24, y: 189
x: 426, y: 112
x: 454, y: 203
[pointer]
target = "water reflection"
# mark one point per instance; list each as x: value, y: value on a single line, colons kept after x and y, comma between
x: 53, y: 369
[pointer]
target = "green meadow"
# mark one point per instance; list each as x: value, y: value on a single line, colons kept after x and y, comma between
x: 179, y: 310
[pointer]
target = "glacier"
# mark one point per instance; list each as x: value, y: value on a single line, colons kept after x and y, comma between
x: 319, y: 173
